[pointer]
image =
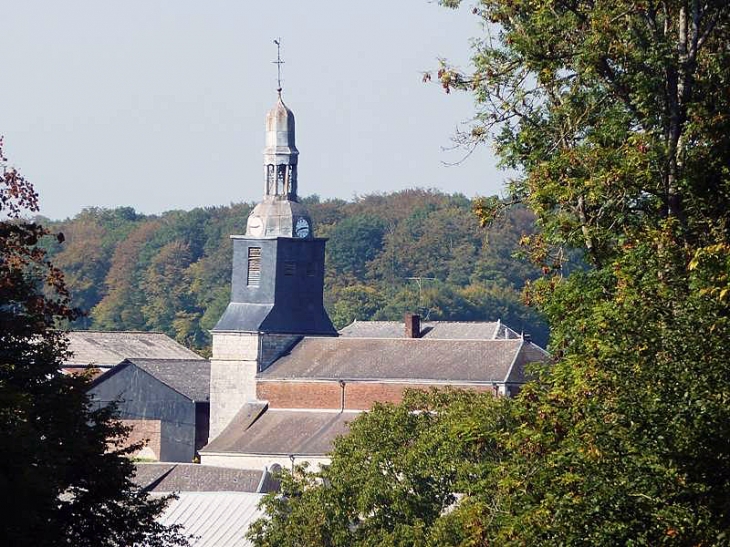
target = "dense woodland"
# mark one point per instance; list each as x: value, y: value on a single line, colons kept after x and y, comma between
x: 171, y: 272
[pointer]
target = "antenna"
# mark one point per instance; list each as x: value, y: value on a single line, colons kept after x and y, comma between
x: 278, y: 63
x: 419, y: 280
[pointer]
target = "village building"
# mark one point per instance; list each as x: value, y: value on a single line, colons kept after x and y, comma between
x: 97, y: 351
x: 214, y: 506
x: 164, y: 401
x: 284, y: 383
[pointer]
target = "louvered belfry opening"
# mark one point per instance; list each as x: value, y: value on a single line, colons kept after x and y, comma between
x: 254, y: 266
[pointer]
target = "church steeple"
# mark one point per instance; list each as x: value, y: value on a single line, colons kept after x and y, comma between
x: 280, y: 214
x: 280, y: 154
x: 277, y: 280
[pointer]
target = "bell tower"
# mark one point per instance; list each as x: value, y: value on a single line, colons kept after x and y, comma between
x: 277, y: 280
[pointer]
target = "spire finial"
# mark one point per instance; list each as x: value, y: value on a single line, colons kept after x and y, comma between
x: 278, y: 64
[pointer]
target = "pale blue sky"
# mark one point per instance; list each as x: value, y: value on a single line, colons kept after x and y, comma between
x: 160, y: 104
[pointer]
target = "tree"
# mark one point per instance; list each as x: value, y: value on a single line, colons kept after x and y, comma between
x: 393, y: 479
x: 616, y: 115
x: 355, y: 241
x: 615, y: 111
x: 64, y: 474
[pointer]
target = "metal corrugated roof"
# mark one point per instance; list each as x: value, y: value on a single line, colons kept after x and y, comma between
x: 302, y: 433
x: 109, y: 348
x: 214, y: 519
x: 396, y: 359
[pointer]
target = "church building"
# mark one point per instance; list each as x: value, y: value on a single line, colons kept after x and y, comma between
x: 283, y: 382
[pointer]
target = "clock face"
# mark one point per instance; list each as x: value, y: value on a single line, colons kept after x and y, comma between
x: 255, y: 226
x: 301, y: 228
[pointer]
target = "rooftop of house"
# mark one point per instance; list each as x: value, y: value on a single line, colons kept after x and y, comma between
x: 432, y: 330
x: 189, y: 377
x: 405, y: 359
x: 214, y: 518
x: 105, y: 349
x: 256, y: 430
x: 190, y: 477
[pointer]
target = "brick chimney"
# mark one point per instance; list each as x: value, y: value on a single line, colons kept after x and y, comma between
x: 413, y: 325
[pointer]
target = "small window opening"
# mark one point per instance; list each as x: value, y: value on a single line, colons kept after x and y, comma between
x: 310, y: 269
x: 290, y: 268
x: 254, y: 266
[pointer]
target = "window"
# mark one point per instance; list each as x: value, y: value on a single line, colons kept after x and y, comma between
x: 254, y: 266
x: 290, y: 268
x: 311, y: 270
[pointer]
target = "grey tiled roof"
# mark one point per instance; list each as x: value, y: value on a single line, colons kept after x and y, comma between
x: 530, y: 353
x: 397, y: 359
x: 214, y: 519
x: 436, y: 330
x: 301, y: 433
x: 190, y: 477
x: 109, y: 348
x: 190, y: 377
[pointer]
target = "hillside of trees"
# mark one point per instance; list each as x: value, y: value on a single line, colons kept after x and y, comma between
x: 387, y: 254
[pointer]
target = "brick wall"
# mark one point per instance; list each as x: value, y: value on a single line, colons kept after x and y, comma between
x: 328, y: 395
x: 147, y: 431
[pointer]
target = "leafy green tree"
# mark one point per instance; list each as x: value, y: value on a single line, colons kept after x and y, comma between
x: 615, y: 111
x: 165, y: 286
x: 616, y: 115
x: 64, y: 474
x: 121, y: 307
x: 84, y: 261
x: 394, y: 477
x: 355, y: 303
x: 354, y: 242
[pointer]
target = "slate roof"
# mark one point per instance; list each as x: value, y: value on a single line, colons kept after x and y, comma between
x: 191, y: 477
x: 300, y: 433
x: 189, y: 377
x: 435, y: 330
x: 530, y: 353
x: 408, y: 359
x: 109, y: 348
x: 214, y: 519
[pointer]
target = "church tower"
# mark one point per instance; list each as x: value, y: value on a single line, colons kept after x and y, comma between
x: 277, y: 281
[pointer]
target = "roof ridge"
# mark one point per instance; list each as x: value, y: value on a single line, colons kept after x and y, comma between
x: 94, y: 331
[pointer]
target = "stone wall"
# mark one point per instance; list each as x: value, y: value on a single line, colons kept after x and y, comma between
x: 233, y: 368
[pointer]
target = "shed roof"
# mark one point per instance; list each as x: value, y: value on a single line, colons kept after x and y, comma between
x: 349, y: 358
x: 436, y: 330
x: 109, y: 348
x: 214, y: 518
x: 191, y: 477
x: 301, y: 433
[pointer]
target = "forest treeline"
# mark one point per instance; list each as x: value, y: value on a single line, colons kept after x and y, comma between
x: 414, y: 250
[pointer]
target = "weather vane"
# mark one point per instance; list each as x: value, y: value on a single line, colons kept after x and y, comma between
x: 278, y: 63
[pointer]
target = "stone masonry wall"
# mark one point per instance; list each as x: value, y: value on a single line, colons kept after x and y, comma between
x: 233, y: 369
